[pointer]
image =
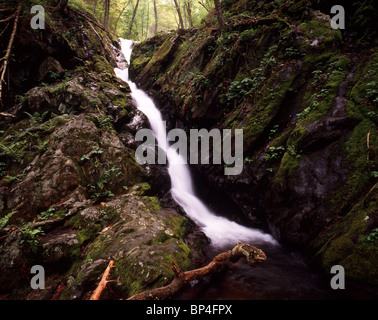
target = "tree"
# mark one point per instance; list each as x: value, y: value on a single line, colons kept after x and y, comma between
x: 62, y: 5
x: 106, y: 14
x: 218, y: 10
x: 179, y: 13
x: 133, y: 18
x: 188, y: 6
x: 156, y: 17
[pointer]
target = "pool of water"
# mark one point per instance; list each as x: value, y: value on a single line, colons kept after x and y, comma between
x: 285, y: 275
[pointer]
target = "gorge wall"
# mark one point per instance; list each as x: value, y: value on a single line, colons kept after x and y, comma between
x: 305, y: 96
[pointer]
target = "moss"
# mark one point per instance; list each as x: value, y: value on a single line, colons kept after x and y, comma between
x: 321, y: 31
x: 179, y: 226
x: 360, y: 175
x: 361, y: 160
x: 261, y: 115
x: 151, y: 203
x: 346, y: 242
x: 103, y: 67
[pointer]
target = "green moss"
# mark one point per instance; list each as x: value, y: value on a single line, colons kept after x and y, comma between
x: 361, y: 160
x: 360, y: 174
x: 103, y: 67
x: 140, y: 189
x: 322, y: 31
x: 152, y: 203
x: 346, y: 243
x: 179, y: 226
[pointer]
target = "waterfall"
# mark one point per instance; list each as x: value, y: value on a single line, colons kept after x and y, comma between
x: 221, y: 231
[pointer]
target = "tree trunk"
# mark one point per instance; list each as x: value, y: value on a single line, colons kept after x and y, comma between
x: 185, y: 18
x: 132, y: 19
x: 148, y: 18
x: 142, y: 22
x: 106, y: 14
x: 62, y: 5
x: 156, y: 18
x: 218, y: 9
x: 179, y: 13
x: 252, y: 254
x: 189, y: 11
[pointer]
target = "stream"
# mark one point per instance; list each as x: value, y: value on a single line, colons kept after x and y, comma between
x: 285, y: 274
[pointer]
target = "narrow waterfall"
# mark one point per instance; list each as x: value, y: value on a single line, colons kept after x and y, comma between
x: 221, y: 231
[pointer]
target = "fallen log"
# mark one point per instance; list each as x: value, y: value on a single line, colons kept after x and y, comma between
x: 252, y: 254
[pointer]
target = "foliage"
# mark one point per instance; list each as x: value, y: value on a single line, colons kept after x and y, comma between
x: 373, y: 236
x: 274, y: 153
x: 101, y: 188
x: 121, y: 12
x: 36, y: 117
x: 30, y: 235
x: 4, y: 220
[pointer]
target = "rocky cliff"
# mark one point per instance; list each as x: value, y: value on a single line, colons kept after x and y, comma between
x: 72, y: 196
x: 305, y: 96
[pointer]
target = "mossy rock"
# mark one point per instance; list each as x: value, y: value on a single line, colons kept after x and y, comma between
x: 347, y: 242
x: 143, y: 240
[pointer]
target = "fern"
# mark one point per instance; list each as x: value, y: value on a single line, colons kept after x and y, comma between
x: 4, y: 220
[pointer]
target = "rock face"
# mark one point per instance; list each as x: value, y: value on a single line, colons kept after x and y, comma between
x: 72, y: 195
x: 303, y: 96
x: 142, y: 238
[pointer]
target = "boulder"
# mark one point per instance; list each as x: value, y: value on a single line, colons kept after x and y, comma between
x: 142, y: 238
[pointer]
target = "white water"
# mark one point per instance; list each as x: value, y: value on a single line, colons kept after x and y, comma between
x: 221, y: 231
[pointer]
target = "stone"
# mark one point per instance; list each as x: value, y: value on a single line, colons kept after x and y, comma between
x: 48, y: 66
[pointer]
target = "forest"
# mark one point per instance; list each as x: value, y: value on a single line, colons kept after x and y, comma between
x: 293, y: 83
x: 141, y: 19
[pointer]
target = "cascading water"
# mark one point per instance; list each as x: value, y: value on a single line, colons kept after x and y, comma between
x: 284, y: 275
x: 220, y: 231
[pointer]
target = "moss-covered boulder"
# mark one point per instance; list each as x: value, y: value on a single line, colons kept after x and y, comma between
x: 143, y: 239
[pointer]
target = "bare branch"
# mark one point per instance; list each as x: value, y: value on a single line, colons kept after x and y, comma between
x: 9, y: 18
x: 9, y: 49
x: 102, y: 285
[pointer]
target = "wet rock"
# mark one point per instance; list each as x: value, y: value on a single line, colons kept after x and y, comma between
x: 60, y: 245
x: 297, y: 206
x: 322, y: 132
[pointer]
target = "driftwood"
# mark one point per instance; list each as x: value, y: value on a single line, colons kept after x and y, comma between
x: 104, y: 281
x: 252, y: 254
